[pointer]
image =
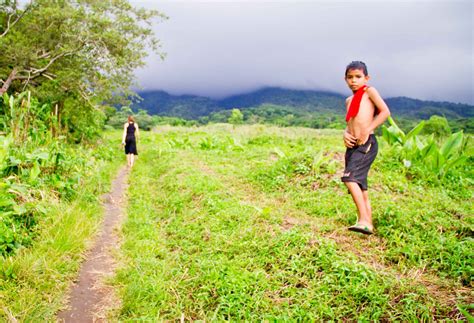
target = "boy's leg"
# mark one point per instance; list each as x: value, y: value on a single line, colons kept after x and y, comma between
x: 360, y: 201
x: 368, y: 219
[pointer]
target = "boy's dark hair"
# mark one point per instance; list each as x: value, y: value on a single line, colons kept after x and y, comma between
x: 357, y: 65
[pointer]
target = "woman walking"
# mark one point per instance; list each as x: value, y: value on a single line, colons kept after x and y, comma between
x: 129, y: 139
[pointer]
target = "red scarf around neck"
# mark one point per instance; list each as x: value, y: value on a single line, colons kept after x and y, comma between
x: 355, y: 103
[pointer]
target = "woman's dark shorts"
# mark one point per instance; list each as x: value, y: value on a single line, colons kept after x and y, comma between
x: 358, y: 161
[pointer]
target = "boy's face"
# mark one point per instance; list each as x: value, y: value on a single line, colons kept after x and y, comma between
x: 355, y: 78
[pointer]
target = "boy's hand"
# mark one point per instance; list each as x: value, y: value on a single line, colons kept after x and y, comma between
x: 349, y: 140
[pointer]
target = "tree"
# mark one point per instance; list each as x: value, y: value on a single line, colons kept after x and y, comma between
x: 236, y: 117
x: 438, y: 126
x: 74, y: 54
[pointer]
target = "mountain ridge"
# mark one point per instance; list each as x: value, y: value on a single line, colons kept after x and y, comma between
x: 188, y: 106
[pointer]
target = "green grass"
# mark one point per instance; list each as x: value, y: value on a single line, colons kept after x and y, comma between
x: 34, y: 281
x: 250, y: 223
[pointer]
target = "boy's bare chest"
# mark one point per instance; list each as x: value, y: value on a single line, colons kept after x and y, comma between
x: 366, y: 109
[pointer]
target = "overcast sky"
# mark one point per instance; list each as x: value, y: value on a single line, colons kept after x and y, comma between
x: 421, y: 49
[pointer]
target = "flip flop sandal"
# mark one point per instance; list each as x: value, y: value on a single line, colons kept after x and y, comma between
x: 361, y: 228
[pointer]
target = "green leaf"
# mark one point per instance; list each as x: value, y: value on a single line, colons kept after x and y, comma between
x: 457, y: 161
x: 43, y: 155
x: 35, y: 171
x: 409, y: 146
x: 415, y: 131
x: 390, y: 136
x: 11, y: 104
x: 396, y: 130
x: 440, y: 160
x: 13, y: 161
x: 431, y: 156
x: 420, y: 144
x: 6, y: 200
x: 452, y: 145
x: 5, y: 98
x: 430, y: 145
x: 280, y: 153
x: 464, y: 311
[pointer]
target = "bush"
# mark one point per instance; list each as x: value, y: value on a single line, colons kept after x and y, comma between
x: 426, y: 154
x: 438, y: 126
x: 236, y: 117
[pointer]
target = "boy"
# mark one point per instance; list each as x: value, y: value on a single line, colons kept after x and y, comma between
x: 366, y: 110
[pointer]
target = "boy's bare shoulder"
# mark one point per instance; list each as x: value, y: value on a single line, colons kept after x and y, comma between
x: 370, y: 90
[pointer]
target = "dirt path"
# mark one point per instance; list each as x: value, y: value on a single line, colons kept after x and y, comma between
x: 89, y: 297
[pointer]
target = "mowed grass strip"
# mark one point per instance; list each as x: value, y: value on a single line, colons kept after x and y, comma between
x: 195, y: 249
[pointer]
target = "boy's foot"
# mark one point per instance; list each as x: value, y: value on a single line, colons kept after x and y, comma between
x: 362, y: 228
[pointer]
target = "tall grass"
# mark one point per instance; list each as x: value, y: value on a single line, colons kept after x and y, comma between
x: 35, y: 274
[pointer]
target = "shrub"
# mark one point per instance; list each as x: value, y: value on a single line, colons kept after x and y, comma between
x: 438, y: 126
x: 426, y: 153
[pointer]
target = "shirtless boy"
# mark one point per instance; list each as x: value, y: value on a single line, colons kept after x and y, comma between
x: 366, y: 110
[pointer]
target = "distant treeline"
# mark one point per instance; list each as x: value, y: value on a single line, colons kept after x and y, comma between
x: 285, y: 107
x: 284, y: 117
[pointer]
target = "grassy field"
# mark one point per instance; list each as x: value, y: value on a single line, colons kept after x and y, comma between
x: 251, y: 223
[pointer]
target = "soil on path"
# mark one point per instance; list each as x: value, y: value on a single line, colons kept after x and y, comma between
x: 90, y: 297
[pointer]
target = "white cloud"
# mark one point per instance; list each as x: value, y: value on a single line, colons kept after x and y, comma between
x: 421, y: 49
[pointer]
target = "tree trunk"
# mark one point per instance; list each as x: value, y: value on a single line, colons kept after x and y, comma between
x: 9, y: 80
x: 56, y: 119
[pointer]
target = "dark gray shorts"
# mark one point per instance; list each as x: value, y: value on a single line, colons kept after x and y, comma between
x: 358, y: 161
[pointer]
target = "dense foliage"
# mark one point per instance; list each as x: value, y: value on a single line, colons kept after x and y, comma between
x: 37, y: 167
x: 117, y: 118
x: 426, y: 156
x: 61, y: 62
x: 281, y: 116
x: 73, y: 55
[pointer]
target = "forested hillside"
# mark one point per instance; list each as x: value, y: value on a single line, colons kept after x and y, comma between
x: 287, y: 107
x: 188, y: 106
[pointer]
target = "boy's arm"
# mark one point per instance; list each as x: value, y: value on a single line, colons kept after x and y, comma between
x: 380, y: 104
x: 380, y: 118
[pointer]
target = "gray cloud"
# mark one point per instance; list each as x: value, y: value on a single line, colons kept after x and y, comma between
x: 421, y: 49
